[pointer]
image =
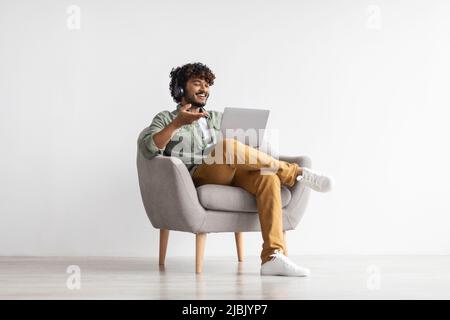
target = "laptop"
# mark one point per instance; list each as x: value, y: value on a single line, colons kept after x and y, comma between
x: 246, y: 125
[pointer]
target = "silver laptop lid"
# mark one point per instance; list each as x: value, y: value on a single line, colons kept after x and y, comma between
x: 248, y: 124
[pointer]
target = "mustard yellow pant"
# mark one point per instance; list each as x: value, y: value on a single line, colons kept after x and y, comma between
x: 240, y: 165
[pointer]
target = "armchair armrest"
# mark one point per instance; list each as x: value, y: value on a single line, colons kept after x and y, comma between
x: 299, y: 193
x: 168, y: 193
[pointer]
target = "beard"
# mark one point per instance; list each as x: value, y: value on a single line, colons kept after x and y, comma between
x: 196, y: 104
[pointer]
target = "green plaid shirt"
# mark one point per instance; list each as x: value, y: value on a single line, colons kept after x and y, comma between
x: 187, y: 143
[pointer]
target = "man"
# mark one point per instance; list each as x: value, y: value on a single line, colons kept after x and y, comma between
x: 187, y: 131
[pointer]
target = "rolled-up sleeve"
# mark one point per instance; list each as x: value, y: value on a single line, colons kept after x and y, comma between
x: 145, y: 142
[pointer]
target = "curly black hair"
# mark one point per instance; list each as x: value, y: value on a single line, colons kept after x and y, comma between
x: 181, y: 75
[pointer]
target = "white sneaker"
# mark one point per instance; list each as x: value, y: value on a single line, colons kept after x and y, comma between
x: 280, y: 265
x: 316, y: 180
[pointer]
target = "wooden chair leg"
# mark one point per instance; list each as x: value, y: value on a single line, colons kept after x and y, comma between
x: 285, y: 244
x: 239, y: 237
x: 163, y: 239
x: 200, y: 240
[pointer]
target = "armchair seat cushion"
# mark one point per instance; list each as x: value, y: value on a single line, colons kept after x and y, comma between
x: 234, y: 199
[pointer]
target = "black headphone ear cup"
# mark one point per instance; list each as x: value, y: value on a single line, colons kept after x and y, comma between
x: 178, y: 91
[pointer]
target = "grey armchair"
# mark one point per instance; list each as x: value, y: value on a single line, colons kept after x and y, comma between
x: 176, y: 204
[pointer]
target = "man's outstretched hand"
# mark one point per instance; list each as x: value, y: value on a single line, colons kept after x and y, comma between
x: 187, y: 115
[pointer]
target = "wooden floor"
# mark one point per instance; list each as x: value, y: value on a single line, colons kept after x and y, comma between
x: 333, y: 277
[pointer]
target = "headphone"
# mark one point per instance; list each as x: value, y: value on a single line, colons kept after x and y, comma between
x: 177, y: 91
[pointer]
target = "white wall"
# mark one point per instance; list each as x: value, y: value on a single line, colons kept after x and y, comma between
x: 359, y: 86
